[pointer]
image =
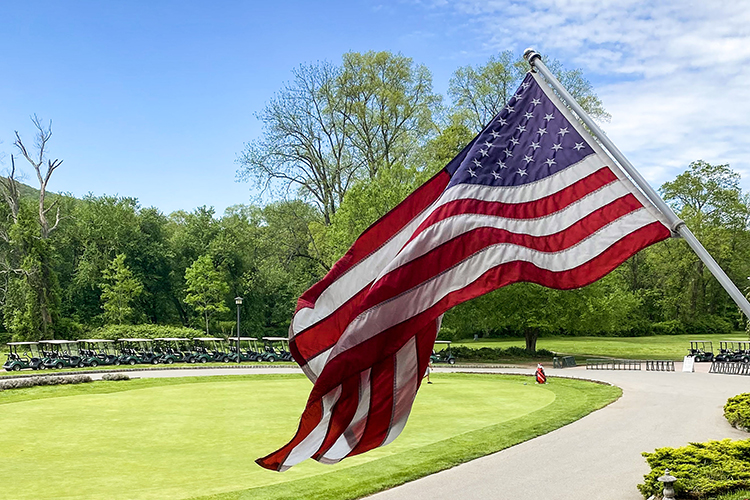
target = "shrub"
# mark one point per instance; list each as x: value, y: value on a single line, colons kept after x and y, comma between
x: 115, y: 377
x: 701, y: 469
x: 464, y: 353
x: 21, y: 383
x: 737, y: 410
x: 114, y: 332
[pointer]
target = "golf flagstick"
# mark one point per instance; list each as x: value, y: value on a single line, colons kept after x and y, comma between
x: 677, y: 225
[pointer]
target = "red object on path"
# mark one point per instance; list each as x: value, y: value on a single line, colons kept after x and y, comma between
x: 541, y: 377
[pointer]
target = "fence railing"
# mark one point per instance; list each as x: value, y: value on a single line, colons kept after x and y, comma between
x: 613, y: 364
x: 659, y: 365
x: 730, y: 367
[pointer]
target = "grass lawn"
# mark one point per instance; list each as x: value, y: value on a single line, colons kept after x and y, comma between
x: 199, y: 436
x: 673, y: 347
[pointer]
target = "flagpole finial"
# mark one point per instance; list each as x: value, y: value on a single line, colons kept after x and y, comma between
x: 531, y: 54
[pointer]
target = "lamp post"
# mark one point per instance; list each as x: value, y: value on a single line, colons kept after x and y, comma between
x: 238, y: 301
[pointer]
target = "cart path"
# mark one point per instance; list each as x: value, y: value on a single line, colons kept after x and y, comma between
x: 598, y: 456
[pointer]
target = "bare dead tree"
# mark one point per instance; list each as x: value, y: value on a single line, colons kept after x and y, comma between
x: 9, y: 187
x: 42, y: 138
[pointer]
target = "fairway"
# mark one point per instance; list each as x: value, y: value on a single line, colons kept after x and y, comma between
x: 673, y: 347
x: 183, y: 438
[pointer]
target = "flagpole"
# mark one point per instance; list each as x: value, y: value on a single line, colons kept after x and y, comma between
x: 677, y: 225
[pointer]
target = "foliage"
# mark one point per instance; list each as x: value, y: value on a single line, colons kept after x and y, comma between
x: 114, y: 332
x: 737, y: 410
x: 115, y: 377
x: 701, y: 469
x: 206, y: 288
x: 119, y: 289
x: 488, y: 354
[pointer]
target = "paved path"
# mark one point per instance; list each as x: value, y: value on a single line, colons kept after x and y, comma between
x: 598, y: 456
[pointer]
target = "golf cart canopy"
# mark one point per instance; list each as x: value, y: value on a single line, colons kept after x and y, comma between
x: 22, y: 343
x: 442, y: 341
x: 95, y: 340
x: 207, y: 338
x: 243, y: 338
x: 135, y: 340
x: 276, y: 339
x: 58, y: 342
x: 172, y: 339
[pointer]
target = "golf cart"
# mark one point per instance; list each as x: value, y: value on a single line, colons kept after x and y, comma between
x: 275, y: 349
x: 210, y: 349
x: 95, y: 352
x: 701, y: 350
x: 444, y: 355
x: 248, y: 349
x: 29, y: 358
x: 174, y: 350
x: 733, y: 351
x: 135, y: 351
x: 61, y: 354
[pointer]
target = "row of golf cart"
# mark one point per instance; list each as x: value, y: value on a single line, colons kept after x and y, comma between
x: 49, y: 354
x: 729, y: 350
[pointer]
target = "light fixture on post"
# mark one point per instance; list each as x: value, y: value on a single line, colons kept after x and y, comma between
x: 238, y: 301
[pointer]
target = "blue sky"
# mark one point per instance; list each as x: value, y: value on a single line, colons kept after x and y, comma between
x: 154, y: 99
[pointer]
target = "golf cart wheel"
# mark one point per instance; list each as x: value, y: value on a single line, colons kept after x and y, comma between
x: 226, y: 359
x: 170, y: 361
x: 16, y: 368
x: 203, y: 360
x: 155, y: 361
x: 271, y: 359
x: 451, y: 361
x: 193, y: 360
x: 117, y: 362
x: 59, y: 365
x: 94, y: 364
x: 131, y: 362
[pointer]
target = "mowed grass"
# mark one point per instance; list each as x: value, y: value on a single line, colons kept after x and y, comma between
x: 673, y: 347
x: 199, y: 436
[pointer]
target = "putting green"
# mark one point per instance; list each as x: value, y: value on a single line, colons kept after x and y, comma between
x: 181, y: 438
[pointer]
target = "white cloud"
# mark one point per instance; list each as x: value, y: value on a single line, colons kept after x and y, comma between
x: 674, y: 74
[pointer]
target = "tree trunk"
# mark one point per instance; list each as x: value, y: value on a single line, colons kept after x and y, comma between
x: 531, y: 334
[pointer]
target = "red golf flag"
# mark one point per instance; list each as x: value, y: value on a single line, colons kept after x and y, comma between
x: 532, y: 198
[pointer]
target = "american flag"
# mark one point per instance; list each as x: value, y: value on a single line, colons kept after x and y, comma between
x: 532, y: 198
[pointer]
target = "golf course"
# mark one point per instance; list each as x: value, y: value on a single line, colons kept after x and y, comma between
x: 198, y: 437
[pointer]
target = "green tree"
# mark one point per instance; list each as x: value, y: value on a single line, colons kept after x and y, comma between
x: 120, y: 288
x: 206, y: 288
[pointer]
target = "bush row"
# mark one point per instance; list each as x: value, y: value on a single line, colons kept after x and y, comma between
x: 737, y: 410
x: 707, y: 325
x: 701, y: 469
x: 463, y: 353
x: 20, y: 383
x: 114, y: 332
x: 114, y: 377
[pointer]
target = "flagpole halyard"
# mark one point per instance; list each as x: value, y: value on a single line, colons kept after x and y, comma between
x: 676, y: 224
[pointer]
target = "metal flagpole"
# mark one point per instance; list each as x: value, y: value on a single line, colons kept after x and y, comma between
x: 676, y: 224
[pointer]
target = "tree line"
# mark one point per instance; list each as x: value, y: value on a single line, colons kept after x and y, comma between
x: 342, y: 144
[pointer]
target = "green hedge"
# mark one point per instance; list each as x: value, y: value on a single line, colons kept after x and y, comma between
x: 462, y: 353
x: 702, y: 469
x: 114, y: 332
x: 737, y: 410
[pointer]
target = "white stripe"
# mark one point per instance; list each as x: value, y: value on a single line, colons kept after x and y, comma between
x: 350, y: 438
x: 314, y: 440
x: 406, y: 378
x: 451, y: 227
x: 365, y: 271
x: 412, y: 302
x: 316, y: 364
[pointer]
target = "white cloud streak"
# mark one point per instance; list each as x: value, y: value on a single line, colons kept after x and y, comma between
x: 674, y: 74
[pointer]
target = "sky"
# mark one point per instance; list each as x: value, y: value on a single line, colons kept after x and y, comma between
x: 155, y: 99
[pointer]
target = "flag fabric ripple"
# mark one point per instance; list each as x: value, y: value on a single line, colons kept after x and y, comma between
x: 532, y: 198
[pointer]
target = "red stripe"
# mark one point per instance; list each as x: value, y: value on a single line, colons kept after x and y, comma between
x: 381, y: 405
x: 527, y: 210
x: 380, y: 232
x: 311, y: 417
x: 323, y: 335
x: 386, y: 343
x: 462, y: 247
x: 342, y: 414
